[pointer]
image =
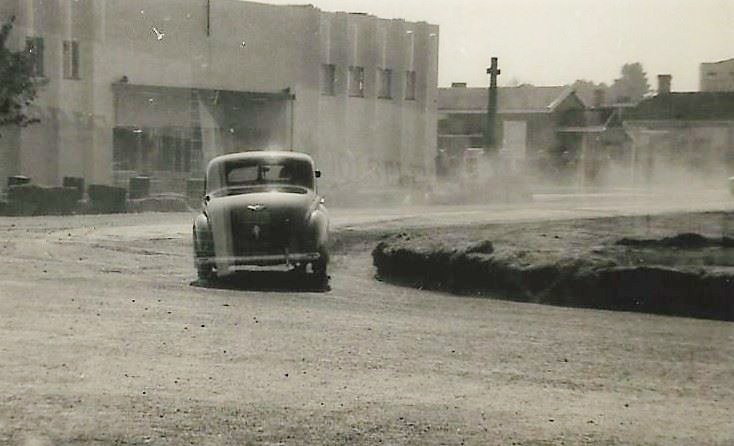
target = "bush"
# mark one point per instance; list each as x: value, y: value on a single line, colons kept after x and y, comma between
x: 31, y: 199
x: 139, y: 187
x: 76, y: 183
x: 107, y: 199
x: 60, y: 200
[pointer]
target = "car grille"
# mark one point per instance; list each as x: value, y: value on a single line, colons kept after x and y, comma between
x: 262, y: 232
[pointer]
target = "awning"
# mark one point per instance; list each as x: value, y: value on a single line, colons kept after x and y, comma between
x: 163, y: 106
x: 591, y: 129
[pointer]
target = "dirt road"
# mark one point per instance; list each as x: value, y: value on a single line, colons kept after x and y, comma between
x: 105, y: 341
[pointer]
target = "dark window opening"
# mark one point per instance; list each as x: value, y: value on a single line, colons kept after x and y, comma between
x: 384, y: 82
x: 328, y: 79
x: 356, y: 81
x: 34, y: 47
x: 145, y: 150
x: 71, y: 59
x: 410, y: 85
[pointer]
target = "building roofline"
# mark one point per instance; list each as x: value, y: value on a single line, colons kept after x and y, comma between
x: 718, y: 61
x: 284, y: 94
x: 499, y: 112
x: 565, y: 94
x: 678, y: 122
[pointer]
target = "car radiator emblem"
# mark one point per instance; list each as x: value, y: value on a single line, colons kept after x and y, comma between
x: 256, y: 207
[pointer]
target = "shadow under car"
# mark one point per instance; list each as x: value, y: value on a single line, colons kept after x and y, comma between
x: 267, y: 280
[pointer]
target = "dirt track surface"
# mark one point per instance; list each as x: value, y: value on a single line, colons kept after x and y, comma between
x: 105, y: 341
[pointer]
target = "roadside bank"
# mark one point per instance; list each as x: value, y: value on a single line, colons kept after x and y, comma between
x: 676, y: 264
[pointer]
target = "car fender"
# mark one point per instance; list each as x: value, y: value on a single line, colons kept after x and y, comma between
x: 203, y: 241
x: 318, y: 221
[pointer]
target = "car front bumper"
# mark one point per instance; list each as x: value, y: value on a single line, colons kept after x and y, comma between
x: 235, y: 262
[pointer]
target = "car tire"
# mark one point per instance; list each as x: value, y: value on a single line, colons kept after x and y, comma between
x: 320, y: 266
x: 205, y: 272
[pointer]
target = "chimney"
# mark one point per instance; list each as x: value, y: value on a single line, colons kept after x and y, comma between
x: 458, y: 85
x: 599, y: 97
x: 664, y: 81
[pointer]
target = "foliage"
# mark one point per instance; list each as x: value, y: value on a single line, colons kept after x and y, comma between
x: 632, y: 86
x: 18, y: 86
x: 585, y: 90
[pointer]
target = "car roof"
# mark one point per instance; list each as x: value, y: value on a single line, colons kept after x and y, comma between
x: 260, y: 154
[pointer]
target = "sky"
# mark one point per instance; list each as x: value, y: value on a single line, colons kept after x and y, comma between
x: 555, y: 42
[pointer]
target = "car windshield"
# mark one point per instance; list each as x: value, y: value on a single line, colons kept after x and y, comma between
x: 268, y: 172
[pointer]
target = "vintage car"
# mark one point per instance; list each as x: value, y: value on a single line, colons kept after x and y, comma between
x: 261, y: 209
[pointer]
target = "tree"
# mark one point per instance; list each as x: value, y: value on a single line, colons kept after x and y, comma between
x: 632, y: 86
x: 586, y: 89
x: 18, y: 86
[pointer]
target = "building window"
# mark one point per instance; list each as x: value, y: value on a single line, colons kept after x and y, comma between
x: 384, y: 83
x: 356, y: 81
x: 328, y: 79
x: 147, y: 149
x: 34, y: 46
x: 410, y: 85
x: 71, y: 59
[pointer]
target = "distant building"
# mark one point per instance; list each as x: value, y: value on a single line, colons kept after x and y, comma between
x: 717, y: 76
x: 682, y: 136
x: 160, y: 87
x: 604, y: 145
x: 528, y: 120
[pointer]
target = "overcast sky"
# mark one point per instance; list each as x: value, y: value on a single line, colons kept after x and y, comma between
x: 554, y: 42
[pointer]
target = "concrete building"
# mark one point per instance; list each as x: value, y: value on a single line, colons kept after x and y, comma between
x: 686, y: 138
x: 528, y: 120
x: 717, y: 76
x: 158, y: 88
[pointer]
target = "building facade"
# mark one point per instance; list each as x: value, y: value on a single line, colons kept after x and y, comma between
x: 682, y: 138
x: 527, y: 125
x: 717, y: 76
x: 134, y: 87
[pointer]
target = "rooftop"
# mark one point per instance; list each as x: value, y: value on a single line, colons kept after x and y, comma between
x: 719, y: 62
x: 685, y: 106
x: 525, y: 98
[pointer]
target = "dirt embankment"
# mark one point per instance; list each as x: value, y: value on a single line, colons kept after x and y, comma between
x: 653, y: 265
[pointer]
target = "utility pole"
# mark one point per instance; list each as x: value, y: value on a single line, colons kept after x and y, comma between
x: 490, y: 142
x: 208, y: 17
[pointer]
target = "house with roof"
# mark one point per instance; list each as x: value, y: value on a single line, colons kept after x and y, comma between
x: 717, y: 76
x: 603, y: 145
x: 683, y: 137
x: 528, y: 119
